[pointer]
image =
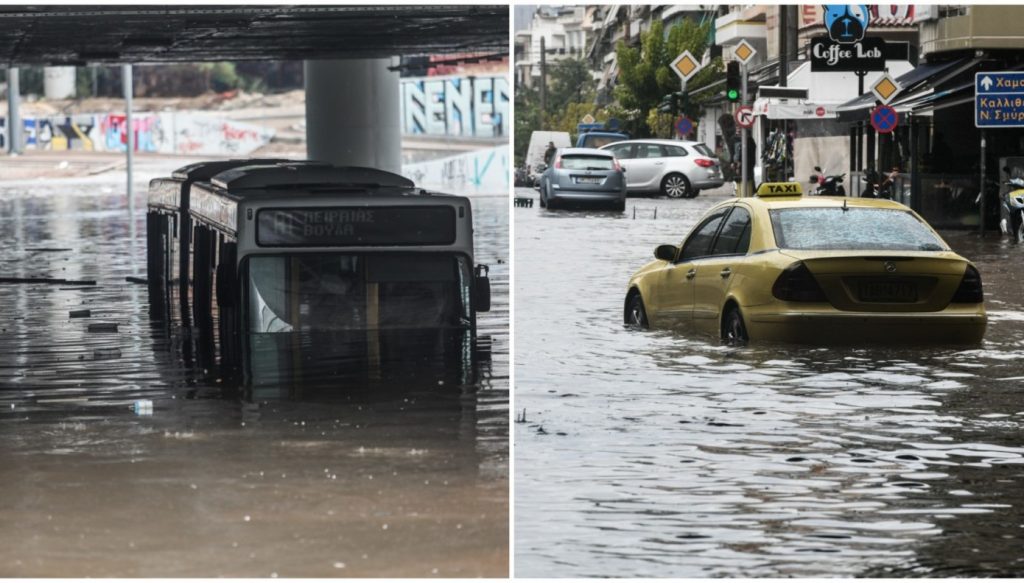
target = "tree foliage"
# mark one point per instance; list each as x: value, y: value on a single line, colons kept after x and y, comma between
x: 645, y: 75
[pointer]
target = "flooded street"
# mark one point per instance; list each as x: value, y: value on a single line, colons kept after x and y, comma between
x: 327, y: 483
x: 656, y: 454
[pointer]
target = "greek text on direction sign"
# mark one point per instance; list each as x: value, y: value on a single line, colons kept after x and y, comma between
x: 999, y: 99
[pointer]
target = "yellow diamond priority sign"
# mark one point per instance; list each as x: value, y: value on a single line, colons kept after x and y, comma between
x: 685, y: 66
x: 744, y: 52
x: 885, y: 89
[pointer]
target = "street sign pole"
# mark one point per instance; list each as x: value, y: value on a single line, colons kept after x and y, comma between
x: 981, y: 197
x: 744, y: 192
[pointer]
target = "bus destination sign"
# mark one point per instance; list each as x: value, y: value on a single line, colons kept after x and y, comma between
x: 355, y: 226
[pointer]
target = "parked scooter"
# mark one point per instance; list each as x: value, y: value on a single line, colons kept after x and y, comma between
x: 1013, y: 208
x: 828, y: 185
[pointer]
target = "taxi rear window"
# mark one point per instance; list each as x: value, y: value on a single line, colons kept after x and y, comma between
x: 863, y: 229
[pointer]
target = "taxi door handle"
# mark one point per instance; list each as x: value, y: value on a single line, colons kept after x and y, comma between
x: 691, y: 274
x: 725, y: 272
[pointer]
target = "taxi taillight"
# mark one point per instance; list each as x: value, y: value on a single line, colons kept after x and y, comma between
x: 704, y: 162
x: 970, y: 291
x: 618, y: 167
x: 558, y: 162
x: 796, y: 283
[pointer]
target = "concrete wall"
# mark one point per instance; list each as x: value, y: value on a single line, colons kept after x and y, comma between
x: 475, y: 173
x: 456, y: 106
x: 166, y: 133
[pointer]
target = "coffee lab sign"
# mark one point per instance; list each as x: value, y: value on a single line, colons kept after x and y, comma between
x: 846, y: 48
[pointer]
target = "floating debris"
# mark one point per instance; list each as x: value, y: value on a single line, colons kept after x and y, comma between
x: 47, y: 280
x: 103, y: 353
x: 103, y: 327
x: 80, y: 313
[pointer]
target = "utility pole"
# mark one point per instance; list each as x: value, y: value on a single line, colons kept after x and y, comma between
x: 783, y: 45
x: 126, y: 82
x: 13, y: 117
x: 543, y: 81
x: 743, y: 136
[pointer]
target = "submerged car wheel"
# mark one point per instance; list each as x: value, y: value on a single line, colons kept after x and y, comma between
x: 734, y: 331
x: 676, y: 186
x: 1018, y: 233
x: 636, y: 315
x: 543, y: 199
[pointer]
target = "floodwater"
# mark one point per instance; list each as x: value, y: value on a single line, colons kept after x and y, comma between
x: 656, y: 454
x: 406, y: 483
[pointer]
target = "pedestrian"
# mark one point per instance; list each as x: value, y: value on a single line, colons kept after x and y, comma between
x: 549, y: 154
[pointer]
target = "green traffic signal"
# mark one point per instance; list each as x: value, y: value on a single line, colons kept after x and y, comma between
x: 733, y: 95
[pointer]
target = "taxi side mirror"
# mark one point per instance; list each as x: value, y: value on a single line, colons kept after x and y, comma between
x: 482, y: 289
x: 666, y: 252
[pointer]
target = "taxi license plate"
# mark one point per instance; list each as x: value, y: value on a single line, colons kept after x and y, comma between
x: 588, y: 180
x: 887, y: 291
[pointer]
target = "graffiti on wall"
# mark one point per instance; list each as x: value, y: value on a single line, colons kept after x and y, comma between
x: 455, y: 106
x: 479, y: 172
x: 166, y: 133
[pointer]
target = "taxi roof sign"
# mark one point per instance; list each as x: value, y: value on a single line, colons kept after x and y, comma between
x: 779, y: 189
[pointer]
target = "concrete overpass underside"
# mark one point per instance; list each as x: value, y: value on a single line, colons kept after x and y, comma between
x: 83, y: 35
x: 352, y: 82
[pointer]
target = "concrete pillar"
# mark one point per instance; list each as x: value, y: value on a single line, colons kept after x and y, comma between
x: 13, y: 117
x: 353, y: 113
x: 59, y: 82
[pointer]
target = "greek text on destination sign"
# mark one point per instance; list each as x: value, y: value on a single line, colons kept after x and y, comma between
x: 363, y: 226
x: 999, y: 99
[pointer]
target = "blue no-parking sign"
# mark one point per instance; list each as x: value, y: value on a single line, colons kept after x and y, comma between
x: 999, y: 99
x: 684, y: 126
x: 884, y: 119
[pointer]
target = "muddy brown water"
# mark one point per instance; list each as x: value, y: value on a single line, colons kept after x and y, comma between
x: 657, y: 454
x: 410, y: 483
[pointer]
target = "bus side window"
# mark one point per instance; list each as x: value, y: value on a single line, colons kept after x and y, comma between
x: 227, y: 288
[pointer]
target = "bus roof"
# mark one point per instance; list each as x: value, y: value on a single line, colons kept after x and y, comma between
x: 210, y: 168
x: 306, y: 175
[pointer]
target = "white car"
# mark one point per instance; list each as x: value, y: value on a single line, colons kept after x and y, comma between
x: 674, y: 168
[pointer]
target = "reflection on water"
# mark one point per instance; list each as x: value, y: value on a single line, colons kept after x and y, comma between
x: 298, y: 479
x: 659, y: 454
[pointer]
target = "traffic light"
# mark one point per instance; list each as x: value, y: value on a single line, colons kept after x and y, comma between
x: 732, y: 81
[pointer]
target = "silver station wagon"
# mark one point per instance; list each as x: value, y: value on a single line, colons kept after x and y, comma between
x: 674, y: 168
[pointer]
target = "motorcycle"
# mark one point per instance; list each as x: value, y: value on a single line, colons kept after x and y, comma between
x: 828, y: 185
x: 1013, y: 209
x: 878, y: 187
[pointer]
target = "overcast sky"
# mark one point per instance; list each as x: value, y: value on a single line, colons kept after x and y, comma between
x: 522, y: 16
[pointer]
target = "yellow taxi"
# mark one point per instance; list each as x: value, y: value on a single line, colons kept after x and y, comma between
x: 783, y: 267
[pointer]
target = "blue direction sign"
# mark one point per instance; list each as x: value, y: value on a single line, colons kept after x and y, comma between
x: 999, y: 99
x: 684, y: 126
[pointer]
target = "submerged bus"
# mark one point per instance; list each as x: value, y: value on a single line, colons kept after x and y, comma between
x: 317, y: 273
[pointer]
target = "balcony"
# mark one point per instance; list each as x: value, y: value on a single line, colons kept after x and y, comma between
x: 982, y: 27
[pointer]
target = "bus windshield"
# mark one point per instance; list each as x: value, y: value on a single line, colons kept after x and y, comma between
x: 312, y: 292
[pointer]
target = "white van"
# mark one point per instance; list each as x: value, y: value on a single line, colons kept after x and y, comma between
x: 538, y: 145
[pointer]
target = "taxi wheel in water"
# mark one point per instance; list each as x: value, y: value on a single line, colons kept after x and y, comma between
x: 734, y: 331
x: 636, y: 315
x: 676, y: 186
x: 620, y: 206
x: 543, y: 199
x: 1018, y: 233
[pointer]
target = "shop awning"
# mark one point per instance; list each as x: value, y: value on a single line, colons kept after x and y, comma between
x: 917, y: 84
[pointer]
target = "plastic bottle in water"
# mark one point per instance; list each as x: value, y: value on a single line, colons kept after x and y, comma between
x: 143, y: 407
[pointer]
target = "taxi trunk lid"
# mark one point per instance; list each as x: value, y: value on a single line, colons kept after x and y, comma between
x: 886, y: 281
